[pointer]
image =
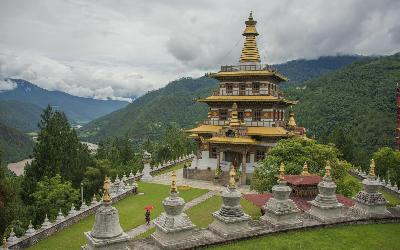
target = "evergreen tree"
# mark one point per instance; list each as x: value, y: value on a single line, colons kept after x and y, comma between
x: 57, y: 151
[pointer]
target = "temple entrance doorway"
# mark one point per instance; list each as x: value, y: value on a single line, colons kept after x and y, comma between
x: 234, y: 157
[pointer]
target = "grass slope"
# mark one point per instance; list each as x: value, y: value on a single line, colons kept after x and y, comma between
x: 381, y: 236
x: 201, y: 215
x: 131, y: 215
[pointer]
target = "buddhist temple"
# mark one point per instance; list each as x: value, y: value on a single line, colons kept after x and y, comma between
x: 247, y: 116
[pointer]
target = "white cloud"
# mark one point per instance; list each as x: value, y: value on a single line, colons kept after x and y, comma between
x: 108, y: 49
x: 7, y: 85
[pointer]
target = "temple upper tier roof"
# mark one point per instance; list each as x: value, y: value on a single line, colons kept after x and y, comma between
x: 245, y: 98
x: 257, y: 70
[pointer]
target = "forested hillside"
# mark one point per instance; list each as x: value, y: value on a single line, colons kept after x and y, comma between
x: 354, y: 106
x: 148, y: 116
x: 77, y: 109
x: 20, y: 115
x: 301, y: 70
x: 14, y: 145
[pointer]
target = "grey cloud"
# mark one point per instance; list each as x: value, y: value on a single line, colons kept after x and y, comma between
x: 108, y: 49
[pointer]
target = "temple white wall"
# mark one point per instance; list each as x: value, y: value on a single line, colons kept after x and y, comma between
x: 206, y: 162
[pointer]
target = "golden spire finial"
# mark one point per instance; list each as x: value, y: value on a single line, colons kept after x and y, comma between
x: 232, y: 174
x: 234, y: 122
x: 250, y: 50
x: 328, y: 169
x: 173, y: 182
x: 106, y: 190
x: 305, y: 170
x: 281, y: 172
x: 372, y: 168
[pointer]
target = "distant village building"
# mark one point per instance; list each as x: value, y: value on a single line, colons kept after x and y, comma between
x: 247, y: 116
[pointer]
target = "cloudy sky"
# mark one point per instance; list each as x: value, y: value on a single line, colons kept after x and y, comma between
x: 118, y: 49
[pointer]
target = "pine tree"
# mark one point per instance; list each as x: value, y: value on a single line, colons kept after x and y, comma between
x: 57, y: 151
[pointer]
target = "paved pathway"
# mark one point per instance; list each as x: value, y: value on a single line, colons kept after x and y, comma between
x: 166, y: 179
x: 143, y: 228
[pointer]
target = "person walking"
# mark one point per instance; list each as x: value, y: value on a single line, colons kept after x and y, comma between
x: 147, y: 217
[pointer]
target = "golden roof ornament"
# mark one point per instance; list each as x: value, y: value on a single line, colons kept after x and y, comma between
x: 106, y: 190
x: 291, y: 121
x: 250, y: 50
x: 328, y: 169
x: 282, y: 172
x: 305, y: 170
x: 232, y: 174
x: 372, y: 168
x: 234, y: 122
x: 173, y: 182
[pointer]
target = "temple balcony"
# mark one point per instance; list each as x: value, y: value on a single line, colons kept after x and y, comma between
x: 249, y: 67
x: 247, y: 123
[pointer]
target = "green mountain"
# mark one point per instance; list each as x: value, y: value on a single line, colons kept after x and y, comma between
x: 14, y: 145
x: 20, y: 115
x: 301, y: 70
x: 358, y: 100
x: 77, y: 109
x: 148, y: 115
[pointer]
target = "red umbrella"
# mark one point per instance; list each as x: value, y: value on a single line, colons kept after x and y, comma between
x: 148, y: 207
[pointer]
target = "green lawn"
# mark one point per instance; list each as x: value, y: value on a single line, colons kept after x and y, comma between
x: 131, y: 215
x: 380, y: 237
x: 393, y: 200
x: 175, y: 167
x: 201, y: 215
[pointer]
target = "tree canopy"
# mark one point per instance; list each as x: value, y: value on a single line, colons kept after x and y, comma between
x: 293, y: 153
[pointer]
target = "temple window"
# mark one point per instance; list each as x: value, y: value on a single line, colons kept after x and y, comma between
x: 223, y: 114
x: 257, y: 115
x: 259, y: 155
x: 213, y: 152
x: 242, y: 89
x: 256, y: 87
x: 229, y: 88
x: 241, y: 115
x: 230, y: 133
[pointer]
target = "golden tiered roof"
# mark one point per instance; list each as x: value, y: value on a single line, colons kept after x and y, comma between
x: 231, y: 140
x: 250, y: 50
x: 261, y: 131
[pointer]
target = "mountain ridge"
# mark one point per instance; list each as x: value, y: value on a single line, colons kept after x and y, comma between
x: 77, y: 109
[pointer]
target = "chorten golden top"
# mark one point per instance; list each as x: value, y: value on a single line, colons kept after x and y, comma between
x: 106, y: 190
x: 250, y: 50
